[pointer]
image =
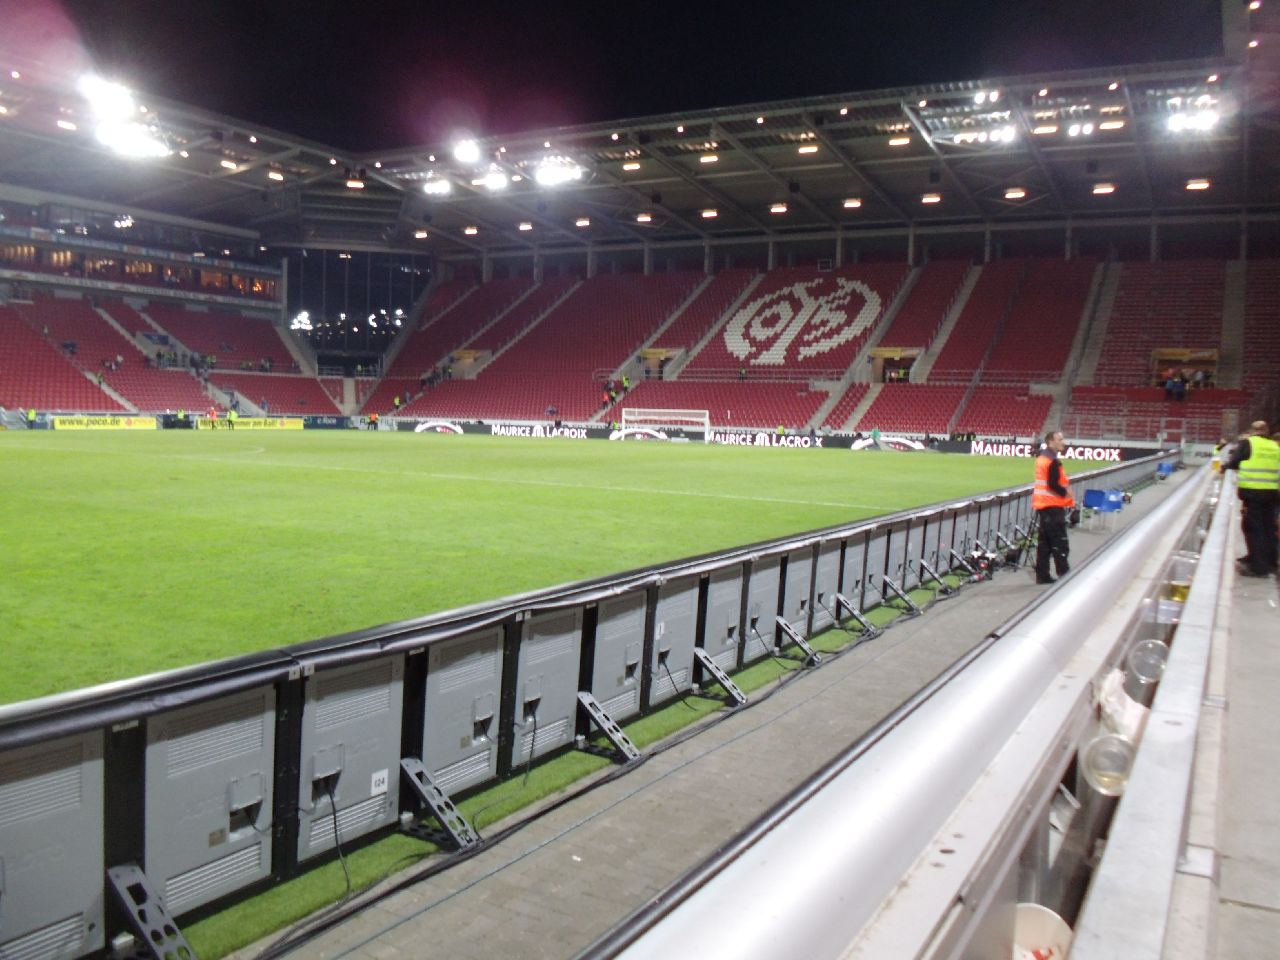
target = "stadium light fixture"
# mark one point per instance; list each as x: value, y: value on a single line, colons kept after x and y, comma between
x: 709, y: 158
x: 899, y: 141
x: 1103, y: 189
x: 1044, y: 92
x: 1045, y: 128
x: 420, y: 235
x: 3, y: 110
x: 183, y: 154
x: 470, y: 231
x: 644, y: 218
x: 1014, y: 193
x: 333, y: 161
x: 631, y: 167
x: 778, y: 208
x: 922, y: 104
x: 525, y: 226
x: 436, y: 187
x: 710, y: 213
x: 301, y: 322
x: 354, y: 182
x: 612, y: 136
x: 495, y: 180
x: 844, y: 111
x: 582, y: 222
x: 680, y: 129
x: 1113, y: 86
x: 1253, y: 5
x: 14, y: 74
x: 68, y: 125
x: 980, y: 97
x: 759, y: 120
x: 227, y: 164
x: 1199, y: 183
x: 1212, y: 78
x: 808, y: 148
x: 275, y: 175
x: 1253, y: 44
x: 555, y: 171
x: 852, y: 203
x: 1111, y: 125
x: 931, y: 198
x: 466, y: 151
x: 1200, y: 121
x: 516, y: 178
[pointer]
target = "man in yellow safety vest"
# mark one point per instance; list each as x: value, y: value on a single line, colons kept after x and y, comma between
x: 1257, y: 459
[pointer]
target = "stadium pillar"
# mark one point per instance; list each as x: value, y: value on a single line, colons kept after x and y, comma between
x: 592, y: 264
x: 772, y: 260
x: 539, y: 266
x: 839, y: 250
x: 648, y: 260
x: 1155, y: 240
x: 708, y: 259
x: 911, y: 245
x: 1244, y: 239
x: 486, y: 268
x: 1066, y: 242
x: 986, y: 244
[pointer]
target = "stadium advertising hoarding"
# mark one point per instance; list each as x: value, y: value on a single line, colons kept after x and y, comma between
x: 251, y: 423
x: 103, y: 423
x: 998, y: 448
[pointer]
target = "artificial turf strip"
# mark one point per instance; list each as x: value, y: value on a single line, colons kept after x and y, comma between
x: 129, y: 552
x: 260, y: 916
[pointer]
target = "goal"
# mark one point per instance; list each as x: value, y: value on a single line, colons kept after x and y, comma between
x: 636, y: 418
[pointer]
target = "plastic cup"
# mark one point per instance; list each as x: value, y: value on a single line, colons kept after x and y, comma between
x: 1105, y: 762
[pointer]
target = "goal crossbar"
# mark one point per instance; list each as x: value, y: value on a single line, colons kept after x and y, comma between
x: 657, y: 417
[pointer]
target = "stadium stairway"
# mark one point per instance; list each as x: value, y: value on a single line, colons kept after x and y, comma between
x: 921, y: 368
x: 859, y: 369
x: 636, y: 371
x: 1231, y: 348
x: 527, y: 328
x: 1095, y: 335
x: 674, y: 369
x: 861, y: 409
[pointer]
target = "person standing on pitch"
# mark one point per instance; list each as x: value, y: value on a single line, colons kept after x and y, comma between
x: 1051, y: 499
x: 1257, y: 458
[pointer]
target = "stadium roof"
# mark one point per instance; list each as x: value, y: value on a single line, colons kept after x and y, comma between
x: 999, y: 152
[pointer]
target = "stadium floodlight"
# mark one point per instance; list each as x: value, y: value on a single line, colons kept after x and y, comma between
x: 1044, y: 91
x: 436, y: 187
x: 631, y: 167
x: 301, y: 322
x: 227, y: 164
x: 420, y: 234
x: 131, y: 140
x: 777, y: 208
x: 354, y: 183
x: 3, y: 110
x: 1212, y: 78
x: 1199, y: 121
x: 680, y: 129
x: 582, y: 222
x: 931, y: 198
x: 467, y: 151
x: 1111, y: 125
x: 612, y: 136
x: 554, y: 171
x: 1045, y: 128
x: 922, y: 104
x: 106, y: 100
x: 275, y: 175
x: 1113, y: 86
x: 524, y: 226
x: 17, y: 76
x: 495, y: 180
x: 67, y: 125
x: 852, y: 203
x: 1103, y: 189
x: 709, y: 158
x: 1253, y: 44
x: 1015, y: 193
x: 470, y: 231
x: 644, y: 218
x: 808, y: 148
x: 899, y: 141
x: 710, y: 213
x: 980, y: 97
x: 1253, y: 5
x: 1199, y: 183
x: 844, y: 111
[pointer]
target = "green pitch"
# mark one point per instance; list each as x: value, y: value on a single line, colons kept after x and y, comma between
x: 129, y: 553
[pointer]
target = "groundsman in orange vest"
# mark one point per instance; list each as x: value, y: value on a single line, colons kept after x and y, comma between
x: 1051, y: 498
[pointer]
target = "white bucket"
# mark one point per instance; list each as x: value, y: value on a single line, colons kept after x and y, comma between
x: 1039, y: 934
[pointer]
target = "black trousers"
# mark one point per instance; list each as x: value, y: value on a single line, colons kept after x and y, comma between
x: 1053, y: 542
x: 1259, y: 523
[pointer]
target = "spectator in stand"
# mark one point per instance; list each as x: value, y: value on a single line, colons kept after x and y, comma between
x: 266, y: 407
x: 1256, y: 457
x: 396, y: 403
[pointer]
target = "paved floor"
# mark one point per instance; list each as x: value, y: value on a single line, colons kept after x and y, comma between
x: 551, y: 889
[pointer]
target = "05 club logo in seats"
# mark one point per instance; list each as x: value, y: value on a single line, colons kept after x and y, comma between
x: 807, y: 319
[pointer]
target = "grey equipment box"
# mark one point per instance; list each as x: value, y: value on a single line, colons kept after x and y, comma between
x: 724, y: 617
x: 855, y: 567
x: 762, y: 608
x: 208, y: 797
x: 795, y: 598
x: 464, y: 689
x: 675, y: 633
x: 615, y: 680
x: 350, y: 746
x: 547, y: 683
x: 51, y: 860
x: 826, y: 586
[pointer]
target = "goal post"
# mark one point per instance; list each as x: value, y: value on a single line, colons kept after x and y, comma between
x: 653, y: 418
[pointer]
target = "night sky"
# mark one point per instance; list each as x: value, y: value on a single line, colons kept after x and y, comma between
x: 372, y: 75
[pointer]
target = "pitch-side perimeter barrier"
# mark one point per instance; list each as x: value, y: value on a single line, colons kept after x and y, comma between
x: 981, y: 800
x: 126, y: 805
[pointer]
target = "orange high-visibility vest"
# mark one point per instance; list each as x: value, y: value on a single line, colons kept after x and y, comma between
x: 1042, y: 495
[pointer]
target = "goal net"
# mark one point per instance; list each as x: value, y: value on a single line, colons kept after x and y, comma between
x: 688, y: 421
